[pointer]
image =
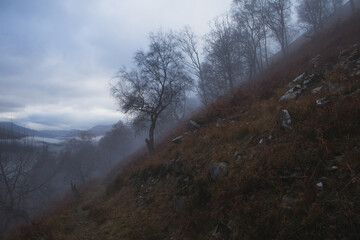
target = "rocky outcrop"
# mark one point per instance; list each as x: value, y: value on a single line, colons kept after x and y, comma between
x: 302, y: 83
x: 350, y: 58
x: 315, y: 61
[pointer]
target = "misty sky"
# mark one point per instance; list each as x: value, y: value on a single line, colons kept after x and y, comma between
x: 58, y: 56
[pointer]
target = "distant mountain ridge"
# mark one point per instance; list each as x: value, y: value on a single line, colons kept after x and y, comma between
x: 8, y: 129
x: 7, y: 134
x: 97, y: 130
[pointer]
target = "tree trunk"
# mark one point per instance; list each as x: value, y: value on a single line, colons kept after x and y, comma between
x: 150, y: 141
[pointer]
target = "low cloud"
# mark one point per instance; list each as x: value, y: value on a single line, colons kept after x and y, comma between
x: 57, y: 57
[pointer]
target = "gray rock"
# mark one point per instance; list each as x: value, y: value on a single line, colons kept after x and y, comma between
x: 300, y: 87
x: 289, y: 95
x: 298, y: 78
x: 333, y: 168
x: 352, y: 64
x: 316, y: 90
x: 315, y: 61
x: 344, y: 54
x: 178, y: 139
x: 354, y: 55
x: 285, y: 120
x: 319, y: 185
x: 237, y: 156
x: 193, y: 125
x: 323, y: 101
x: 218, y: 170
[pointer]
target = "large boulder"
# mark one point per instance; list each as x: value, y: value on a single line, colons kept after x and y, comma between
x: 218, y: 170
x: 285, y: 120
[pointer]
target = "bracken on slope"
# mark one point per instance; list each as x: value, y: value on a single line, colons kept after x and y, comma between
x: 258, y: 165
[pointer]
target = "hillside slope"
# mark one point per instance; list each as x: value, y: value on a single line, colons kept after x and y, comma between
x: 257, y: 168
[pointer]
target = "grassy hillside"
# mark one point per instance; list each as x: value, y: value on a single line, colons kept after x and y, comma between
x: 245, y: 174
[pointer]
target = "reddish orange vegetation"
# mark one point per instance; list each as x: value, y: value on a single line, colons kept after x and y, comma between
x: 270, y: 190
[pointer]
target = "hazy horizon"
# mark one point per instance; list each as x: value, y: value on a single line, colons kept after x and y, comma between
x: 58, y: 57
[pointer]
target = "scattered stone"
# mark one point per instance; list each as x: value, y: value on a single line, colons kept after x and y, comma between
x: 344, y: 54
x: 323, y: 101
x: 219, y: 122
x: 298, y: 78
x: 320, y: 185
x: 292, y: 176
x: 333, y: 168
x: 291, y: 94
x: 218, y: 170
x: 316, y: 90
x: 285, y: 120
x: 178, y: 139
x: 237, y: 156
x: 354, y: 55
x: 193, y: 125
x: 315, y: 61
x: 352, y: 65
x: 261, y: 141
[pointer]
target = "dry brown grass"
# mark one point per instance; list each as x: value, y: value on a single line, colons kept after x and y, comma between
x: 253, y: 199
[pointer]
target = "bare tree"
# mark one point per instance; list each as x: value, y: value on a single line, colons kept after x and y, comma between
x: 156, y: 83
x: 117, y: 142
x: 313, y: 12
x: 336, y: 4
x: 23, y: 174
x: 212, y: 85
x: 79, y: 160
x: 276, y: 15
x: 221, y: 50
x: 189, y: 44
x: 250, y: 33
